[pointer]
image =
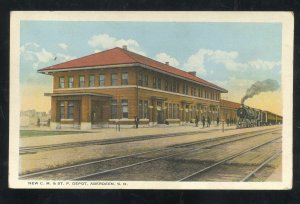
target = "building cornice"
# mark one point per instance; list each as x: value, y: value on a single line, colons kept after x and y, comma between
x: 178, y: 94
x: 133, y: 86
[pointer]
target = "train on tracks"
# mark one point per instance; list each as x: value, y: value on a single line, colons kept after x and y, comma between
x: 251, y: 117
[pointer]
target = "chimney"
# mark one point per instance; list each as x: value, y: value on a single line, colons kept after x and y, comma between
x: 124, y: 47
x: 192, y: 73
x: 167, y: 63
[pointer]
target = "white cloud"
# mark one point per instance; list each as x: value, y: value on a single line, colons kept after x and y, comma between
x: 163, y: 57
x: 236, y: 87
x: 63, y: 46
x: 105, y: 41
x: 196, y: 62
x: 229, y: 59
x: 39, y: 57
x: 63, y: 58
x: 97, y: 50
x: 29, y: 45
x: 263, y: 65
x: 44, y: 56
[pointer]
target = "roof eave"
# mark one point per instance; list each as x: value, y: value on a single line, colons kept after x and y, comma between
x: 50, y: 71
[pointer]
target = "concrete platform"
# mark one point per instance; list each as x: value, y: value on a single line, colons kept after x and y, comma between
x: 102, y: 134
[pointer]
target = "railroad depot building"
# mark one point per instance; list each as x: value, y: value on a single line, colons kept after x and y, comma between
x: 117, y: 85
x: 228, y: 111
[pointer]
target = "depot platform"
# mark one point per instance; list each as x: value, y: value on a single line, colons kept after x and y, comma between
x: 104, y: 134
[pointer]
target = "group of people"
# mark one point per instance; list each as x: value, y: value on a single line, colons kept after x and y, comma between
x: 207, y: 121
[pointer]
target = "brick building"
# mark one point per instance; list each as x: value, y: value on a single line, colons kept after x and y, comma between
x: 228, y: 111
x: 117, y: 85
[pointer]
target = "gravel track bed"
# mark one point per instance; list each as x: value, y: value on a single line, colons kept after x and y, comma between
x: 177, y: 167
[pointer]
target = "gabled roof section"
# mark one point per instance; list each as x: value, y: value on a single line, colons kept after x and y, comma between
x: 119, y: 56
x: 108, y: 57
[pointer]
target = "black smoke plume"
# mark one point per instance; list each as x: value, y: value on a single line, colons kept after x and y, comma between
x: 259, y: 87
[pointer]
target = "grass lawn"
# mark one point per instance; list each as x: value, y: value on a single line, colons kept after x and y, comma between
x: 37, y: 133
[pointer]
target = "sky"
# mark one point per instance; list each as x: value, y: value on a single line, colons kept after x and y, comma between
x: 231, y: 55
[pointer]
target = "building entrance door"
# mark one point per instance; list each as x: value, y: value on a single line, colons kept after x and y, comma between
x: 96, y: 113
x: 160, y: 119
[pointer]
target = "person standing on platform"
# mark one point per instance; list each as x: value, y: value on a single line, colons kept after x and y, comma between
x: 203, y: 121
x: 218, y: 120
x: 196, y: 121
x: 136, y: 120
x: 208, y: 121
x: 38, y: 123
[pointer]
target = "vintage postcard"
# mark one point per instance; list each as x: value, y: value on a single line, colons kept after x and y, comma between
x: 151, y: 100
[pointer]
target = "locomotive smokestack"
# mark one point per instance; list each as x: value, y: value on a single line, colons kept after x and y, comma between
x: 259, y: 87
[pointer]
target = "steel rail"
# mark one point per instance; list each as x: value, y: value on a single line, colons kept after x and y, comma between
x: 260, y: 166
x: 154, y: 159
x: 150, y: 151
x: 225, y: 160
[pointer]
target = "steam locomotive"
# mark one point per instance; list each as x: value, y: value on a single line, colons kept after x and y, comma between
x: 251, y: 117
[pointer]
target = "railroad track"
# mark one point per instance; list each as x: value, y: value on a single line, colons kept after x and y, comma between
x: 261, y: 166
x: 219, y: 163
x: 171, y: 152
x: 36, y: 149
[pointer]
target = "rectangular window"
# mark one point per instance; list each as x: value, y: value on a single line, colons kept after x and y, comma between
x: 178, y: 112
x: 70, y: 110
x: 140, y: 109
x: 61, y: 82
x: 124, y: 108
x: 174, y: 111
x: 167, y: 110
x: 140, y: 79
x: 113, y: 109
x: 170, y: 86
x: 71, y: 82
x: 174, y: 87
x: 154, y: 82
x: 101, y: 80
x: 187, y: 89
x: 183, y: 89
x: 81, y: 81
x: 62, y: 110
x: 177, y: 86
x: 170, y: 110
x: 114, y: 79
x: 124, y: 78
x: 166, y: 85
x: 92, y: 81
x: 146, y: 79
x: 145, y: 109
x: 159, y: 83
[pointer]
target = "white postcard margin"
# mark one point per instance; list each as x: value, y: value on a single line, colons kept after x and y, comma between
x: 287, y: 20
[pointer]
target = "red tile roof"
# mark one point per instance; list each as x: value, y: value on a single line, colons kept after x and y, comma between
x: 117, y: 56
x: 230, y: 104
